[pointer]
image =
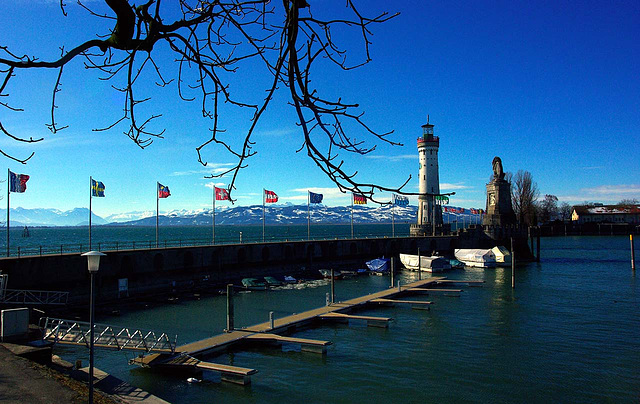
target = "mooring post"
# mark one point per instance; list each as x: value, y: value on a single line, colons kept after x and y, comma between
x: 513, y: 265
x: 327, y: 300
x: 229, y: 308
x: 530, y: 240
x: 538, y: 248
x: 271, y: 319
x: 399, y: 290
x: 391, y: 272
x: 419, y: 266
x: 633, y: 254
x: 333, y: 287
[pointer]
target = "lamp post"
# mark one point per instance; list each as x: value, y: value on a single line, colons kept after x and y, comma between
x: 93, y: 260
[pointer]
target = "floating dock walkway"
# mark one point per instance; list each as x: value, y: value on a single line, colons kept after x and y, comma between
x: 271, y: 331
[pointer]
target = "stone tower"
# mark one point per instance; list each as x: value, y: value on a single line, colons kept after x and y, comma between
x: 429, y: 182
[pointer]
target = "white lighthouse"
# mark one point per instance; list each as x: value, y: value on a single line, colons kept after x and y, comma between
x: 429, y: 180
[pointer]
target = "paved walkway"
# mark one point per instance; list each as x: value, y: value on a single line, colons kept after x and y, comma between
x: 24, y: 381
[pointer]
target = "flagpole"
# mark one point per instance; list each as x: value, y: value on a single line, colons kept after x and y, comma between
x: 213, y: 217
x: 352, y: 215
x: 308, y: 216
x: 157, y: 210
x: 263, y: 192
x: 8, y: 191
x: 393, y: 218
x: 90, y: 194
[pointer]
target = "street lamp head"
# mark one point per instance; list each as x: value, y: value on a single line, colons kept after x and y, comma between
x: 93, y: 259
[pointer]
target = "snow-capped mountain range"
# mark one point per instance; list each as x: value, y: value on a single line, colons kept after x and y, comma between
x: 245, y: 215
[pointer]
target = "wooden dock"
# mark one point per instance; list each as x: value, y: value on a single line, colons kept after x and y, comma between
x: 271, y: 333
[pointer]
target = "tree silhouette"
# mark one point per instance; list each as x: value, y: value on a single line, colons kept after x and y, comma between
x: 206, y: 41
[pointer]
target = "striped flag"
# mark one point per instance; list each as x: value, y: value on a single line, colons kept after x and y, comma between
x: 270, y: 196
x: 17, y: 182
x: 359, y: 199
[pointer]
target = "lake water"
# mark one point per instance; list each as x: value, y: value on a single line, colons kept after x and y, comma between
x: 569, y: 332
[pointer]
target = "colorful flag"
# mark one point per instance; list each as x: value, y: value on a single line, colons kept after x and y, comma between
x: 97, y: 188
x: 222, y: 194
x: 315, y: 198
x: 400, y: 200
x: 271, y: 196
x: 474, y: 211
x: 443, y: 199
x: 163, y: 191
x: 18, y: 182
x: 481, y: 211
x: 359, y: 199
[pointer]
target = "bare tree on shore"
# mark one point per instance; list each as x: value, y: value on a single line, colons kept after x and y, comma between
x: 524, y: 196
x: 202, y: 44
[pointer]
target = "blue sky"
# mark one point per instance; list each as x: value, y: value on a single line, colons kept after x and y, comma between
x: 550, y: 87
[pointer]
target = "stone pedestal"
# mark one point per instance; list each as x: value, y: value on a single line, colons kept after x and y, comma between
x: 499, y: 210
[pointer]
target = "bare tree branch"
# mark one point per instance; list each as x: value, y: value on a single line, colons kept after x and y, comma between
x: 209, y: 40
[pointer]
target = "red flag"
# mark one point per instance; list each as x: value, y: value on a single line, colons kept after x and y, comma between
x: 271, y: 196
x: 222, y: 194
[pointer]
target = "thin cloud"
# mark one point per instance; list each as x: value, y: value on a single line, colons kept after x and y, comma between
x: 625, y: 189
x: 459, y: 185
x: 604, y: 193
x: 392, y: 158
x: 211, y: 168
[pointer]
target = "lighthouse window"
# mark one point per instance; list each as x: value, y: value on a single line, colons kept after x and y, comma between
x: 430, y: 151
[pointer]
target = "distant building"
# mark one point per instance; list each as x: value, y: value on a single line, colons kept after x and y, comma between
x: 606, y: 214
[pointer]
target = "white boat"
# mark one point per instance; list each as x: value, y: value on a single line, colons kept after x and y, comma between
x: 503, y: 256
x: 427, y: 264
x: 476, y: 257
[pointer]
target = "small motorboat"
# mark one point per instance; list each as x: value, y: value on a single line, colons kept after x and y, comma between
x: 503, y: 256
x: 290, y: 279
x: 380, y: 265
x: 425, y: 263
x: 476, y: 257
x: 254, y: 283
x: 326, y: 273
x: 456, y: 264
x: 272, y: 282
x: 193, y: 380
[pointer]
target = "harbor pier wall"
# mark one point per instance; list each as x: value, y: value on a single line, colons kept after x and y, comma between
x: 179, y: 269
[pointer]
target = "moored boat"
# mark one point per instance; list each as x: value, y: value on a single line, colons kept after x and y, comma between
x: 290, y: 279
x: 476, y: 257
x: 503, y: 256
x: 380, y: 265
x: 271, y: 281
x: 254, y: 283
x: 326, y: 273
x: 426, y: 264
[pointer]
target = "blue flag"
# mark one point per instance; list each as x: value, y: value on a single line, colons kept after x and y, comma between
x: 97, y: 188
x: 400, y: 200
x: 315, y: 198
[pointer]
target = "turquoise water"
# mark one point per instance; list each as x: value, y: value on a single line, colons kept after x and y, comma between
x: 56, y: 240
x: 569, y: 332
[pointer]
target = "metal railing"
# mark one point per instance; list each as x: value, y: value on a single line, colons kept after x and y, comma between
x: 73, y: 248
x: 31, y: 297
x: 105, y: 336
